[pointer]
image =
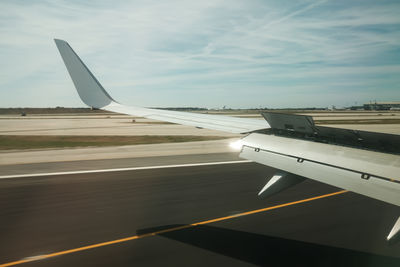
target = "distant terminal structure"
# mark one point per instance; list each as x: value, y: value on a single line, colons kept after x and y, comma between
x: 395, y: 105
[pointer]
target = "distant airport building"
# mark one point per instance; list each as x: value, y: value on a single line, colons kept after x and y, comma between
x: 382, y: 106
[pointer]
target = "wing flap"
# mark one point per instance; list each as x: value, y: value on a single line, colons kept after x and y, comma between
x: 359, y: 160
x: 370, y: 173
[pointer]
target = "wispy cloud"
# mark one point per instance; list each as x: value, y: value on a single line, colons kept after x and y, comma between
x: 204, y: 53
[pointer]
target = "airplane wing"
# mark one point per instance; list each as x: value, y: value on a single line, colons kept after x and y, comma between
x: 362, y: 162
x: 94, y: 95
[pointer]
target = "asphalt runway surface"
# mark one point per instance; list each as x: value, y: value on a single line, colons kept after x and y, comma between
x: 188, y: 216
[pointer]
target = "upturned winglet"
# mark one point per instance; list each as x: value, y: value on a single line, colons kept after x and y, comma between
x: 89, y: 89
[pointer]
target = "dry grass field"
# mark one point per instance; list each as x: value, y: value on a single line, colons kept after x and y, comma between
x: 8, y: 142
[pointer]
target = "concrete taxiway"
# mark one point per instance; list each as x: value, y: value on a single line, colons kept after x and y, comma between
x: 143, y: 217
x: 9, y: 157
x: 96, y: 125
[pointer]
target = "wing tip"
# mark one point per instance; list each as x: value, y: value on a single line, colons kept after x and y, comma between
x: 56, y: 40
x: 88, y: 87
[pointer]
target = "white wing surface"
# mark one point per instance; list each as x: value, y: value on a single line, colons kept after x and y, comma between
x: 369, y: 173
x: 93, y: 94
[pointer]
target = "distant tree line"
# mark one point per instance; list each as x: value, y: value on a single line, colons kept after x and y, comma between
x: 184, y: 109
x: 56, y: 110
x: 66, y: 110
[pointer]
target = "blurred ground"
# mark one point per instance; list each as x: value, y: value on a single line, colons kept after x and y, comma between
x: 47, y: 214
x: 8, y: 157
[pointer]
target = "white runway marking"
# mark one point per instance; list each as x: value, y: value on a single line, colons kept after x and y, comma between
x: 125, y: 169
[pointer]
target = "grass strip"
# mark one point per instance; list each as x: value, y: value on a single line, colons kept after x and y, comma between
x: 8, y: 142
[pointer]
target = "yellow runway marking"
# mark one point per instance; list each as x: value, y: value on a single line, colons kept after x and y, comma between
x: 41, y: 257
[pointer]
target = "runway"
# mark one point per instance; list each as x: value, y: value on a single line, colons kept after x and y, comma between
x: 188, y: 216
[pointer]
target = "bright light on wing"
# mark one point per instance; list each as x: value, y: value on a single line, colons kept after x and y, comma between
x: 236, y: 145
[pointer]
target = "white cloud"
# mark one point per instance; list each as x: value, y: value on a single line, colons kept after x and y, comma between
x: 144, y: 50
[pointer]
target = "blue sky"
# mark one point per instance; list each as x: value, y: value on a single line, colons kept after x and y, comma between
x: 203, y: 53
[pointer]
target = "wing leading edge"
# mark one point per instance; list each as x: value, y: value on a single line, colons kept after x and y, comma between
x: 93, y: 94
